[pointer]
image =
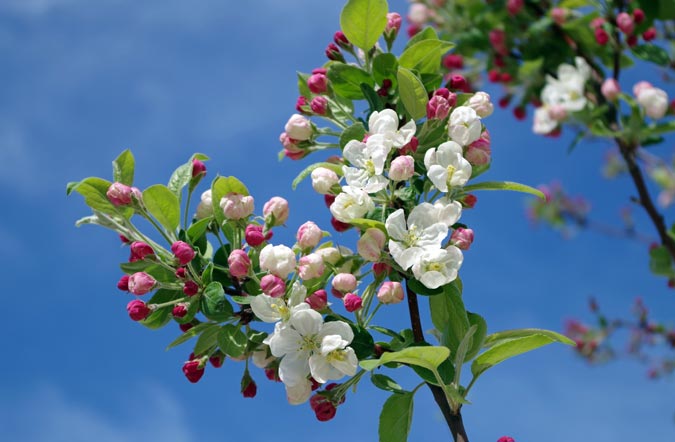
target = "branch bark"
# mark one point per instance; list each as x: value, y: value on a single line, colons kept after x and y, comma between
x: 454, y: 420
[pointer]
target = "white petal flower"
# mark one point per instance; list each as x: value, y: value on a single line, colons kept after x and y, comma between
x: 654, y: 101
x: 543, y: 123
x: 269, y: 309
x: 368, y: 159
x: 299, y: 393
x: 464, y: 126
x: 446, y: 167
x: 449, y: 211
x: 278, y: 260
x: 438, y: 267
x: 350, y: 204
x: 423, y: 230
x: 386, y: 122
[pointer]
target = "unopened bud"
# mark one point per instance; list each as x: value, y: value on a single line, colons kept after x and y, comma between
x: 323, y: 180
x: 275, y: 211
x: 299, y: 128
x: 141, y: 283
x: 183, y: 251
x: 311, y: 266
x: 239, y: 263
x: 319, y: 105
x: 236, y: 206
x: 317, y: 83
x: 254, y: 235
x: 390, y: 292
x: 371, y: 243
x: 123, y: 283
x: 462, y: 238
x: 309, y: 235
x: 193, y: 370
x: 317, y: 300
x: 610, y: 89
x: 438, y: 108
x: 119, y: 194
x: 198, y: 168
x: 190, y: 288
x: 649, y: 34
x: 138, y: 310
x: 625, y: 23
x: 352, y: 302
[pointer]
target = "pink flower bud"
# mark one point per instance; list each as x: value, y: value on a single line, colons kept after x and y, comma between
x: 217, y: 360
x: 559, y: 15
x: 317, y: 83
x: 299, y: 128
x: 236, y: 206
x: 654, y: 101
x: 505, y: 77
x: 411, y: 147
x: 309, y: 235
x: 138, y: 310
x: 497, y: 37
x: 390, y: 292
x: 457, y: 82
x: 239, y: 263
x: 273, y: 286
x: 119, y: 194
x: 179, y: 310
x: 381, y: 268
x: 493, y: 76
x: 514, y: 6
x: 317, y: 300
x: 462, y: 238
x: 254, y: 235
x: 625, y: 23
x: 319, y: 105
x: 371, y: 243
x: 601, y: 36
x: 198, y: 167
x: 333, y: 53
x: 649, y: 34
x: 141, y: 283
x: 597, y: 22
x: 638, y: 16
x: 480, y: 102
x: 205, y: 207
x: 557, y: 112
x: 453, y: 61
x: 469, y: 201
x: 190, y: 288
x: 301, y: 105
x: 520, y: 113
x: 123, y: 283
x: 610, y: 89
x: 323, y: 408
x: 631, y: 41
x: 324, y: 179
x: 402, y: 168
x: 183, y: 251
x: 418, y: 14
x: 124, y: 239
x: 437, y: 108
x: 352, y: 302
x: 139, y: 250
x: 311, y: 266
x: 275, y: 211
x: 339, y: 226
x: 193, y: 371
x: 344, y: 283
x: 506, y: 439
x: 341, y: 40
x: 394, y: 21
x: 641, y: 86
x: 248, y: 387
x: 185, y: 327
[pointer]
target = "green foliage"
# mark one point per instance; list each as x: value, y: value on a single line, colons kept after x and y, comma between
x: 424, y: 56
x: 94, y: 192
x: 214, y: 304
x: 160, y: 317
x: 163, y: 205
x: 386, y: 383
x: 232, y: 341
x: 346, y: 80
x: 449, y: 317
x: 364, y: 21
x: 652, y: 53
x: 427, y: 357
x: 505, y: 185
x: 396, y: 418
x: 123, y: 168
x: 412, y: 92
x: 354, y: 132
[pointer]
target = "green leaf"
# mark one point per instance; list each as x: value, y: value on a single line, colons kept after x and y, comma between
x: 163, y: 205
x: 232, y: 341
x: 428, y: 357
x: 160, y: 317
x: 308, y: 171
x: 346, y: 80
x: 194, y: 331
x: 385, y: 67
x: 206, y: 341
x: 412, y: 93
x: 652, y: 53
x: 364, y: 21
x: 303, y: 89
x: 123, y: 168
x: 478, y: 337
x: 666, y: 10
x: 660, y: 262
x: 198, y: 228
x: 220, y: 187
x: 364, y: 224
x: 386, y: 383
x: 423, y: 290
x: 425, y: 56
x: 572, y: 4
x: 214, y: 305
x: 160, y: 273
x: 505, y: 185
x: 94, y: 192
x: 449, y: 316
x: 427, y: 33
x: 180, y: 178
x: 363, y: 343
x: 507, y: 344
x: 396, y: 418
x: 354, y: 132
x: 462, y: 349
x: 657, y: 129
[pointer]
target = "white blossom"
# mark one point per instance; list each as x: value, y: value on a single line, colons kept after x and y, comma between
x: 543, y: 123
x: 464, y: 126
x: 278, y: 260
x: 449, y: 211
x: 654, y: 101
x: 352, y: 203
x: 437, y: 267
x: 386, y: 123
x: 300, y: 393
x: 423, y: 230
x: 446, y: 167
x: 269, y: 309
x: 368, y: 159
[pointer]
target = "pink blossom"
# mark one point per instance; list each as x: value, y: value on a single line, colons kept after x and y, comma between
x: 317, y: 300
x: 352, y: 302
x: 462, y: 238
x: 183, y: 251
x: 309, y: 235
x: 239, y: 263
x: 311, y: 266
x: 610, y: 89
x: 371, y: 243
x: 141, y: 283
x: 138, y: 310
x: 275, y: 211
x: 273, y: 286
x: 390, y: 292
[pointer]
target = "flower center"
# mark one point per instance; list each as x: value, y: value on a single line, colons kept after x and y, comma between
x: 336, y: 356
x: 451, y: 171
x: 370, y: 167
x: 411, y: 237
x: 434, y: 267
x: 308, y: 343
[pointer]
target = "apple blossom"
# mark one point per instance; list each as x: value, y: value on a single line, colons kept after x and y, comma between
x: 418, y: 14
x: 330, y: 255
x: 371, y: 243
x: 190, y: 288
x: 318, y: 300
x: 393, y: 23
x: 386, y: 123
x: 119, y: 194
x: 275, y: 211
x: 368, y: 160
x: 446, y: 167
x: 311, y: 266
x: 610, y: 89
x: 654, y: 101
x: 183, y: 252
x: 421, y: 231
x: 138, y: 310
x: 390, y: 292
x: 317, y: 83
x: 309, y: 235
x: 319, y: 105
x: 352, y: 302
x: 464, y: 126
x: 193, y: 370
x: 278, y: 260
x: 299, y: 393
x: 299, y: 128
x: 438, y: 108
x: 273, y: 286
x: 239, y: 263
x: 261, y: 358
x: 323, y: 179
x: 478, y: 153
x: 480, y: 102
x: 123, y: 283
x: 141, y: 283
x: 236, y: 206
x: 462, y: 238
x: 269, y: 309
x: 180, y: 310
x: 448, y: 211
x: 205, y: 207
x: 437, y: 267
x: 351, y: 203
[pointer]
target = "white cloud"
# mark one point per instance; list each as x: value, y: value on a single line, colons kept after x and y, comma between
x: 49, y: 414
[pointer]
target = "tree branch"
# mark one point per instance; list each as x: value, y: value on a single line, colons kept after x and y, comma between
x: 454, y: 420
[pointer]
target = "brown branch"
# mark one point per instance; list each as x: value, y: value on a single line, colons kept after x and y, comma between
x: 454, y: 420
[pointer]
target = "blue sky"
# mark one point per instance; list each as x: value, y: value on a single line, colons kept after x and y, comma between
x: 84, y: 80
